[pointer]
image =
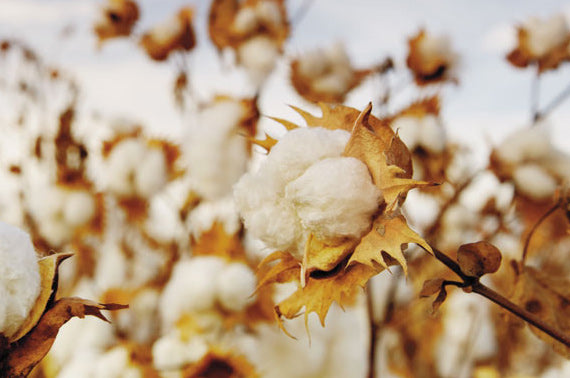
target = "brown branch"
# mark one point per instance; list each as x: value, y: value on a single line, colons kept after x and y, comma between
x: 479, y: 288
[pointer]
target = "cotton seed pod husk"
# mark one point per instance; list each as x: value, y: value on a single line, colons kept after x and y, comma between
x: 477, y: 259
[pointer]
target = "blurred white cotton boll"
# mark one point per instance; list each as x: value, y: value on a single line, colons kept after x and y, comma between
x: 408, y: 129
x: 543, y: 35
x: 525, y: 144
x: 432, y: 134
x: 437, y: 47
x: 335, y: 197
x: 170, y: 352
x: 236, y: 285
x: 223, y: 211
x: 245, y: 21
x: 151, y: 174
x: 162, y: 222
x: 112, y: 267
x: 79, y: 208
x: 192, y: 287
x: 81, y: 365
x: 19, y: 278
x: 216, y: 152
x: 533, y: 181
x: 258, y: 55
x: 268, y: 11
x: 115, y: 363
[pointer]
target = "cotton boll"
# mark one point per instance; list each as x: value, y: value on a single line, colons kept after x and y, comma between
x: 408, y: 129
x: 223, y: 211
x: 216, y: 153
x: 192, y: 287
x: 151, y: 174
x: 162, y: 222
x: 112, y: 267
x: 166, y: 31
x: 170, y: 352
x: 81, y: 365
x: 312, y: 64
x: 533, y: 181
x: 115, y: 364
x: 300, y: 148
x: 19, y: 278
x: 523, y: 145
x: 258, y: 55
x: 121, y: 165
x: 79, y: 208
x: 434, y: 48
x: 432, y: 135
x: 545, y: 35
x: 236, y: 285
x: 333, y: 83
x: 245, y: 21
x: 335, y: 197
x: 268, y: 11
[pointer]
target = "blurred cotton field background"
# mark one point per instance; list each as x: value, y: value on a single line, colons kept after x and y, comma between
x: 154, y: 141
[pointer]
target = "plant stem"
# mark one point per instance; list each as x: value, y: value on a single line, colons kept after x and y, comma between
x: 534, y: 96
x: 558, y: 100
x: 373, y: 332
x: 479, y: 288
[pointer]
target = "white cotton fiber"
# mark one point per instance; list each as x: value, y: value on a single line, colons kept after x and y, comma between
x: 151, y: 173
x: 170, y: 352
x: 245, y: 21
x: 533, y: 181
x: 408, y: 129
x: 192, y: 287
x: 236, y: 285
x: 216, y: 149
x: 268, y: 12
x: 434, y: 48
x: 545, y: 35
x: 335, y: 197
x: 258, y: 55
x: 525, y: 145
x: 19, y: 278
x: 79, y: 208
x: 432, y: 134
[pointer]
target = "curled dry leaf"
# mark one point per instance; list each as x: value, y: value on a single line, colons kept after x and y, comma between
x: 35, y: 337
x: 547, y: 297
x: 431, y: 287
x: 477, y: 259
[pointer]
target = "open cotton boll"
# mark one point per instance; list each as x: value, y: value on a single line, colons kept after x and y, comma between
x: 313, y: 63
x: 258, y: 55
x: 19, y: 278
x: 525, y: 144
x: 545, y: 35
x: 268, y: 11
x: 162, y: 222
x: 432, y: 134
x: 192, y: 287
x: 245, y: 21
x: 151, y: 174
x: 408, y: 129
x: 115, y: 363
x: 79, y: 208
x: 337, y: 82
x: 111, y: 270
x: 170, y: 352
x: 236, y: 285
x: 166, y: 31
x: 335, y: 197
x: 216, y: 152
x: 223, y: 211
x: 433, y: 48
x: 533, y: 181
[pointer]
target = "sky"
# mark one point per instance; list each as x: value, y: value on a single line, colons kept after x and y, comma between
x: 491, y: 100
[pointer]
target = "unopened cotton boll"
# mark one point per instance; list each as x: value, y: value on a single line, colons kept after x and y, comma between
x: 408, y: 129
x: 19, y: 278
x: 192, y: 287
x: 258, y: 55
x: 432, y: 134
x: 335, y: 197
x: 236, y: 285
x: 533, y: 181
x: 545, y: 35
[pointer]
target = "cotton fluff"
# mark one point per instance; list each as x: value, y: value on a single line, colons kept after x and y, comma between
x: 58, y: 212
x: 269, y: 200
x: 334, y: 197
x: 258, y: 55
x: 19, y: 278
x: 134, y: 169
x: 171, y: 352
x: 426, y: 132
x: 222, y: 211
x: 116, y: 363
x: 545, y: 35
x: 532, y: 180
x: 192, y: 287
x: 216, y: 152
x: 525, y: 145
x: 436, y: 48
x: 235, y: 287
x: 329, y: 70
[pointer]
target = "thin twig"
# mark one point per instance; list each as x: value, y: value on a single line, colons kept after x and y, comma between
x: 301, y: 12
x: 534, y: 96
x: 479, y: 288
x: 534, y: 228
x: 373, y: 331
x: 557, y: 101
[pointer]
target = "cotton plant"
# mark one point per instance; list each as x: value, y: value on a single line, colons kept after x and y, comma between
x: 117, y: 18
x: 431, y: 58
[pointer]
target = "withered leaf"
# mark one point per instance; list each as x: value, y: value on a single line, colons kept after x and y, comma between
x: 431, y: 287
x: 278, y: 267
x: 31, y: 349
x: 324, y: 256
x: 387, y: 235
x: 547, y: 297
